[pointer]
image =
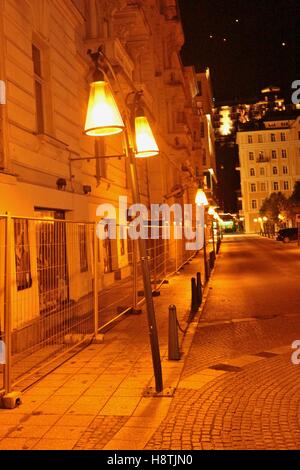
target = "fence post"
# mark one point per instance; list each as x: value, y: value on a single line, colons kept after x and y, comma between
x: 134, y: 268
x: 173, y: 343
x: 96, y: 293
x: 155, y: 262
x: 7, y: 306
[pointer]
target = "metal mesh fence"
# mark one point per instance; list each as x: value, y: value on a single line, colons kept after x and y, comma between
x: 60, y: 285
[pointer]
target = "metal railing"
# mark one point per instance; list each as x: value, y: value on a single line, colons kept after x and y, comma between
x: 60, y: 285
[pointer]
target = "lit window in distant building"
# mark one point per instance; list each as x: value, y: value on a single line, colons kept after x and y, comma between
x: 263, y: 187
x: 282, y: 136
x: 274, y: 154
x: 285, y: 170
x: 252, y: 172
x: 262, y: 171
x: 283, y: 153
x: 226, y: 121
x: 261, y: 156
x: 260, y: 139
x: 251, y: 156
x: 286, y: 185
x: 276, y: 186
x: 275, y: 170
x: 273, y: 138
x: 250, y: 139
x: 254, y: 204
x: 253, y: 187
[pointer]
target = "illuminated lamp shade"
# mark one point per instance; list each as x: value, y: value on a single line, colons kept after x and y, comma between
x: 103, y: 116
x: 145, y: 142
x: 211, y: 211
x: 201, y: 199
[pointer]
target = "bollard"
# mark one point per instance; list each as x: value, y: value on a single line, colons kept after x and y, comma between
x: 199, y: 289
x: 173, y: 346
x: 195, y: 305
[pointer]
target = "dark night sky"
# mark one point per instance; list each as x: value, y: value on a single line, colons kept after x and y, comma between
x: 253, y: 55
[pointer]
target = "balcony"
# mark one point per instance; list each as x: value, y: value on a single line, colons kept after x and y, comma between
x: 262, y: 159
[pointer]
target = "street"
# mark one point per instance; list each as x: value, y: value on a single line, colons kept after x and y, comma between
x: 235, y: 386
x: 239, y: 389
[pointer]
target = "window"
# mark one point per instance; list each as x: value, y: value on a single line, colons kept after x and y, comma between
x: 285, y: 170
x: 282, y: 136
x: 273, y: 138
x: 283, y: 153
x: 202, y: 130
x: 252, y: 172
x: 260, y: 139
x: 274, y: 154
x: 254, y: 204
x: 251, y: 156
x: 38, y: 89
x: 181, y: 117
x: 286, y: 185
x: 261, y: 156
x: 263, y: 187
x: 275, y: 170
x: 250, y: 139
x: 276, y: 186
x: 253, y: 187
x: 22, y: 254
x: 262, y: 172
x: 82, y: 248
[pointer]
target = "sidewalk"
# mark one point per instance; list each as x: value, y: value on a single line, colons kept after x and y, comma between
x: 94, y: 401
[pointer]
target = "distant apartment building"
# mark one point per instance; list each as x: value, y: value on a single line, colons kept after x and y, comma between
x: 269, y: 156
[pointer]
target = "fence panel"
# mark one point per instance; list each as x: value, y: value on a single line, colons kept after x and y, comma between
x: 51, y: 291
x: 56, y: 274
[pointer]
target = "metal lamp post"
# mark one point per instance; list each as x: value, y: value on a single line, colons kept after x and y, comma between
x: 103, y: 118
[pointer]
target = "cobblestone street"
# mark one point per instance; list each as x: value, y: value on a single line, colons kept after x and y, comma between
x: 239, y: 388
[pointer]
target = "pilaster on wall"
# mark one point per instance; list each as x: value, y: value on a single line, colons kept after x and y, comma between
x: 4, y: 164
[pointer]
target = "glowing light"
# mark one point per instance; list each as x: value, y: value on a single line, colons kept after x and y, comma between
x: 146, y: 145
x: 201, y: 199
x: 237, y: 20
x: 283, y: 44
x: 211, y: 211
x: 265, y: 219
x: 255, y: 220
x: 103, y: 116
x: 226, y: 121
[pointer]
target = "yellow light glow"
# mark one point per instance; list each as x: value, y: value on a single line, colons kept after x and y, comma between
x: 226, y: 121
x: 211, y: 211
x: 201, y: 199
x: 255, y: 220
x: 146, y: 145
x: 103, y: 116
x: 281, y: 217
x: 265, y: 219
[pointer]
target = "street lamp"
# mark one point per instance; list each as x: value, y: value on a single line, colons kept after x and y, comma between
x: 201, y: 200
x: 103, y: 118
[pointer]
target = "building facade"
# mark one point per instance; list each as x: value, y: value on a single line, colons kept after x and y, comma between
x: 269, y: 156
x: 53, y: 177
